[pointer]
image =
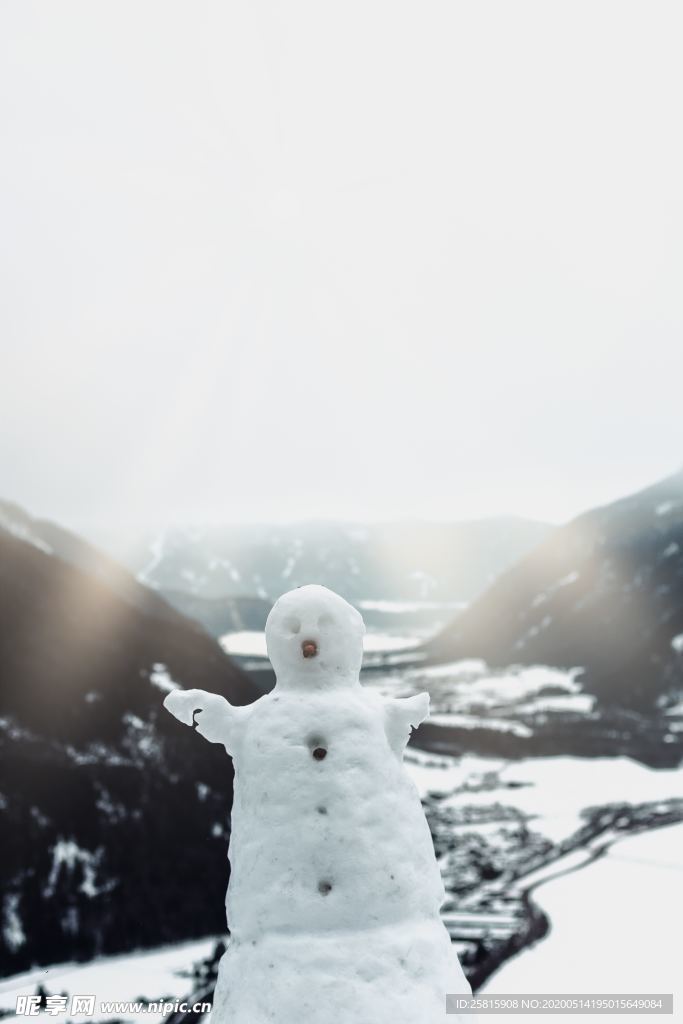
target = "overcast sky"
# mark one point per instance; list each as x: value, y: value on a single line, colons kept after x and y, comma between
x: 360, y: 260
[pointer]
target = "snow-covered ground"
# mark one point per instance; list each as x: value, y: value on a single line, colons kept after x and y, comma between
x: 468, y: 694
x: 438, y: 772
x: 550, y: 791
x: 151, y: 975
x: 614, y: 925
x: 247, y: 642
x: 391, y: 626
x: 401, y: 607
x: 613, y: 921
x: 554, y: 790
x: 252, y: 643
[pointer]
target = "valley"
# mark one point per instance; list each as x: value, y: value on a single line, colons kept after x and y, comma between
x: 554, y: 666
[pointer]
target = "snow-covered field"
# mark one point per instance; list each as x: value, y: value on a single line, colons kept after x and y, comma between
x: 252, y: 643
x: 248, y: 642
x: 550, y: 791
x: 402, y: 607
x: 614, y: 925
x: 397, y: 626
x: 554, y: 790
x: 613, y: 922
x: 468, y: 694
x: 152, y: 976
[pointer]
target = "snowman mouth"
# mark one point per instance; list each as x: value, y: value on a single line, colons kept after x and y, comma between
x: 309, y: 648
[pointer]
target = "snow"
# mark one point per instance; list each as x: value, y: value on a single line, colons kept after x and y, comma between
x: 541, y: 598
x: 23, y: 532
x: 334, y: 891
x: 443, y: 772
x: 141, y: 738
x: 469, y: 687
x: 252, y: 643
x: 133, y: 720
x: 621, y: 910
x: 95, y: 753
x: 633, y: 896
x: 114, y: 812
x: 534, y: 630
x: 67, y: 854
x: 12, y: 927
x: 467, y: 694
x: 404, y: 607
x: 550, y: 791
x: 260, y: 589
x: 664, y: 508
x: 677, y: 643
x: 376, y: 642
x: 247, y: 642
x: 672, y: 549
x: 473, y: 722
x: 426, y: 582
x: 157, y: 553
x: 160, y: 677
x: 576, y: 703
x: 224, y: 563
x: 161, y: 973
x: 465, y: 669
x: 555, y: 790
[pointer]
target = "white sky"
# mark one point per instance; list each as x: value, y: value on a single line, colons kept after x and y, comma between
x: 353, y: 259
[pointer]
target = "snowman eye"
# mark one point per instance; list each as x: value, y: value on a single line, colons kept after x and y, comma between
x: 325, y: 620
x: 292, y: 624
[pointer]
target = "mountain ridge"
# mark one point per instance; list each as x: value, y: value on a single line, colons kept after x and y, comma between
x: 100, y: 784
x: 604, y: 593
x: 411, y: 561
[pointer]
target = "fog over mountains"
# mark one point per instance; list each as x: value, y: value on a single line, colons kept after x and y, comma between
x: 403, y: 573
x: 400, y: 561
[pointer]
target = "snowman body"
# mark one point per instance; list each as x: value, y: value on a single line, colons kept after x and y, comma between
x: 334, y: 895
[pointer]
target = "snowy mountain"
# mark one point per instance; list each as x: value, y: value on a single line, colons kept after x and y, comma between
x: 446, y: 562
x: 221, y: 615
x: 99, y: 783
x: 53, y: 539
x: 604, y: 592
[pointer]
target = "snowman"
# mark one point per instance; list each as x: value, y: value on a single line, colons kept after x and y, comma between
x: 334, y: 895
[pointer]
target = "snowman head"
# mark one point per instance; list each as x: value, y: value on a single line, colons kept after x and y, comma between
x: 314, y: 638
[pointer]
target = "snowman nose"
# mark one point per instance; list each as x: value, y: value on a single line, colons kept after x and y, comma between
x: 309, y: 648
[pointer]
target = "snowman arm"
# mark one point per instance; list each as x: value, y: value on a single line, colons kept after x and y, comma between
x: 215, y: 718
x: 401, y: 716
